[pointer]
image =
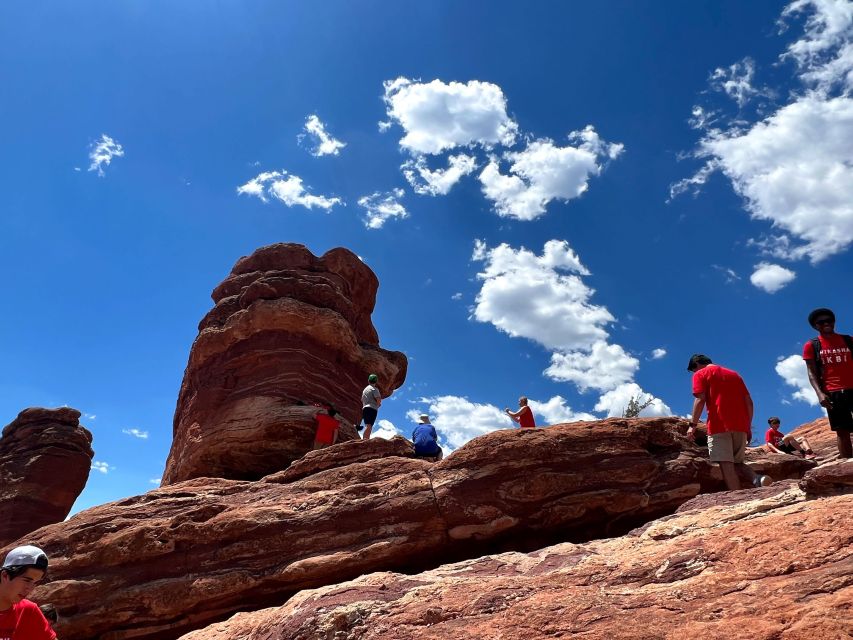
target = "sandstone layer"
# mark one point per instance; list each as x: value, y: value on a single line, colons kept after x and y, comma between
x: 821, y: 438
x: 765, y: 565
x: 288, y: 331
x: 45, y: 457
x: 186, y: 555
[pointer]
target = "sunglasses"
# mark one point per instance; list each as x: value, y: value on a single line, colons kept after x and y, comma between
x: 824, y: 321
x: 775, y: 422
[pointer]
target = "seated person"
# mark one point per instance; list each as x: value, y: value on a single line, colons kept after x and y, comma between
x: 327, y: 428
x: 426, y: 440
x: 777, y: 442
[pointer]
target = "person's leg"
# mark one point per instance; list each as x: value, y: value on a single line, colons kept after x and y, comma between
x: 804, y: 443
x: 794, y: 443
x: 720, y: 450
x: 367, y: 429
x: 739, y: 443
x: 730, y: 475
x: 440, y: 454
x: 845, y: 447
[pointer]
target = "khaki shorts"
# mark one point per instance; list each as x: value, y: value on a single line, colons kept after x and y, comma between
x: 727, y: 447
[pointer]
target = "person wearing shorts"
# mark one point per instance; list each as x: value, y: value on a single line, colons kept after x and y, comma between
x: 371, y: 399
x: 23, y: 568
x: 778, y: 442
x: 729, y: 422
x: 831, y: 376
x: 327, y: 428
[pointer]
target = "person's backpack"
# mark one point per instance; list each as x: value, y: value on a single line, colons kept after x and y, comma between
x: 818, y: 363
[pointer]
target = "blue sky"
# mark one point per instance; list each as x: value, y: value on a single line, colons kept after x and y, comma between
x: 596, y: 193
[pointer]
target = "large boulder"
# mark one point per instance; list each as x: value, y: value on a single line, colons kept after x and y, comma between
x: 45, y: 458
x: 767, y: 565
x: 189, y: 554
x: 288, y: 331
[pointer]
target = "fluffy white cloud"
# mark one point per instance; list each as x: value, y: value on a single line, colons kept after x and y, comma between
x: 659, y: 353
x: 286, y: 188
x: 603, y: 367
x: 437, y: 116
x: 385, y: 429
x: 136, y: 433
x: 102, y: 467
x: 102, y: 152
x: 323, y: 142
x: 824, y: 54
x: 543, y: 172
x: 793, y: 371
x: 439, y: 182
x: 771, y: 277
x: 382, y: 207
x: 556, y: 411
x: 458, y: 420
x: 615, y: 401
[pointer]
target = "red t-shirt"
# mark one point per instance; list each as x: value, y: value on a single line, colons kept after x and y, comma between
x: 25, y: 621
x: 726, y: 398
x: 326, y: 427
x: 837, y: 370
x: 525, y: 420
x: 773, y: 437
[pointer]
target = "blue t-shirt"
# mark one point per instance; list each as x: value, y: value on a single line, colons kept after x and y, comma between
x: 426, y: 440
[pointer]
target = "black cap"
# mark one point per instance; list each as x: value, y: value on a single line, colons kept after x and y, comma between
x: 817, y: 313
x: 697, y: 359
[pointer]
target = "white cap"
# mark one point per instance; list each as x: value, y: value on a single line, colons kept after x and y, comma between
x: 423, y: 417
x: 26, y: 556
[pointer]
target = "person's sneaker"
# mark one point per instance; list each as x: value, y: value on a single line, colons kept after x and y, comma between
x: 762, y: 481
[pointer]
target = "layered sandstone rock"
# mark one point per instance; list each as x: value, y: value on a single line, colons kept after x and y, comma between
x: 828, y: 479
x: 45, y: 457
x: 768, y: 564
x: 821, y: 438
x: 189, y: 554
x: 289, y: 330
x: 779, y: 466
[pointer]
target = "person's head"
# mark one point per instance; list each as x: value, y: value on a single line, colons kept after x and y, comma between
x: 522, y: 401
x: 774, y: 422
x: 823, y: 320
x: 331, y: 411
x: 372, y: 378
x: 423, y: 418
x: 22, y: 570
x: 698, y: 361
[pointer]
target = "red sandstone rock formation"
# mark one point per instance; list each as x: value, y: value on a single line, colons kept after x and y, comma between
x: 821, y: 438
x: 189, y: 554
x: 288, y: 330
x: 768, y: 565
x: 779, y: 466
x: 45, y: 457
x: 828, y: 479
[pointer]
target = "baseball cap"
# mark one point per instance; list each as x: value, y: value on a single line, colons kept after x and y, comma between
x: 25, y: 556
x: 372, y: 377
x: 423, y: 417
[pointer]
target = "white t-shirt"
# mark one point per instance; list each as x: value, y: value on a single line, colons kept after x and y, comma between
x: 370, y: 397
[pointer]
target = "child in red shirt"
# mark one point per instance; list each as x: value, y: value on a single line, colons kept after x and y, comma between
x: 778, y: 442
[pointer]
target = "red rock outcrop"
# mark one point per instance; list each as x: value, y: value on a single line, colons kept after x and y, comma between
x: 820, y: 437
x: 828, y: 479
x: 288, y: 330
x: 189, y: 554
x: 779, y: 466
x: 768, y: 565
x: 45, y: 458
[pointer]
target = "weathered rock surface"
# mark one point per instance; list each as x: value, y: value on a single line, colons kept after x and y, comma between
x: 768, y: 566
x: 779, y: 466
x: 289, y: 330
x: 834, y: 477
x: 821, y: 438
x: 45, y: 457
x: 189, y: 554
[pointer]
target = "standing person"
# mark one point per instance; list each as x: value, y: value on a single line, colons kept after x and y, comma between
x: 21, y: 619
x: 371, y: 400
x: 327, y: 428
x: 729, y: 418
x: 524, y: 415
x: 831, y: 376
x: 426, y: 440
x: 777, y: 442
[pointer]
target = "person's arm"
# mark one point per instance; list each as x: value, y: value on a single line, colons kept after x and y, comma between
x: 513, y: 414
x: 822, y: 398
x: 750, y: 410
x: 698, y: 408
x: 378, y: 397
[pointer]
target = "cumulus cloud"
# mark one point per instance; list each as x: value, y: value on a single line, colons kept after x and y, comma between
x: 437, y: 116
x: 439, y: 182
x: 604, y: 367
x: 556, y: 411
x: 136, y: 433
x: 382, y: 207
x: 155, y: 481
x: 102, y: 467
x: 824, y: 54
x: 771, y: 277
x: 659, y: 353
x: 615, y: 401
x: 458, y: 420
x: 287, y: 189
x: 543, y: 172
x: 385, y: 429
x: 793, y: 371
x: 323, y: 143
x: 102, y: 152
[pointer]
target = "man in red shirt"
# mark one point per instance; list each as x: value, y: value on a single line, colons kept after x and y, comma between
x: 729, y: 421
x: 21, y: 619
x: 524, y: 415
x: 831, y: 376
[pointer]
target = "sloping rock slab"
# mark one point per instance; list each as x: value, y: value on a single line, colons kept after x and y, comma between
x: 779, y: 466
x: 45, y: 458
x: 821, y: 438
x: 774, y: 567
x: 828, y: 479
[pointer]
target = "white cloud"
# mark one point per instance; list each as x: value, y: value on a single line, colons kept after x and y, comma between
x: 659, y: 353
x: 382, y: 207
x: 543, y: 172
x: 288, y: 189
x: 439, y: 182
x: 824, y: 54
x: 155, y: 481
x: 615, y: 401
x: 324, y: 143
x: 771, y: 277
x: 102, y: 152
x: 603, y: 367
x: 458, y: 420
x: 728, y: 273
x: 793, y: 371
x: 385, y: 429
x: 136, y: 433
x: 103, y: 467
x: 89, y: 416
x: 456, y: 296
x: 437, y: 116
x: 556, y: 411
x: 736, y: 81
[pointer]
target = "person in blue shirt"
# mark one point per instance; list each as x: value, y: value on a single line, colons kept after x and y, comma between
x: 426, y: 440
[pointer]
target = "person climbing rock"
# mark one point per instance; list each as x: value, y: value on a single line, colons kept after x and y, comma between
x: 425, y: 439
x: 778, y: 442
x: 524, y: 415
x: 21, y: 619
x: 327, y: 428
x: 371, y: 400
x: 830, y: 366
x: 729, y: 421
